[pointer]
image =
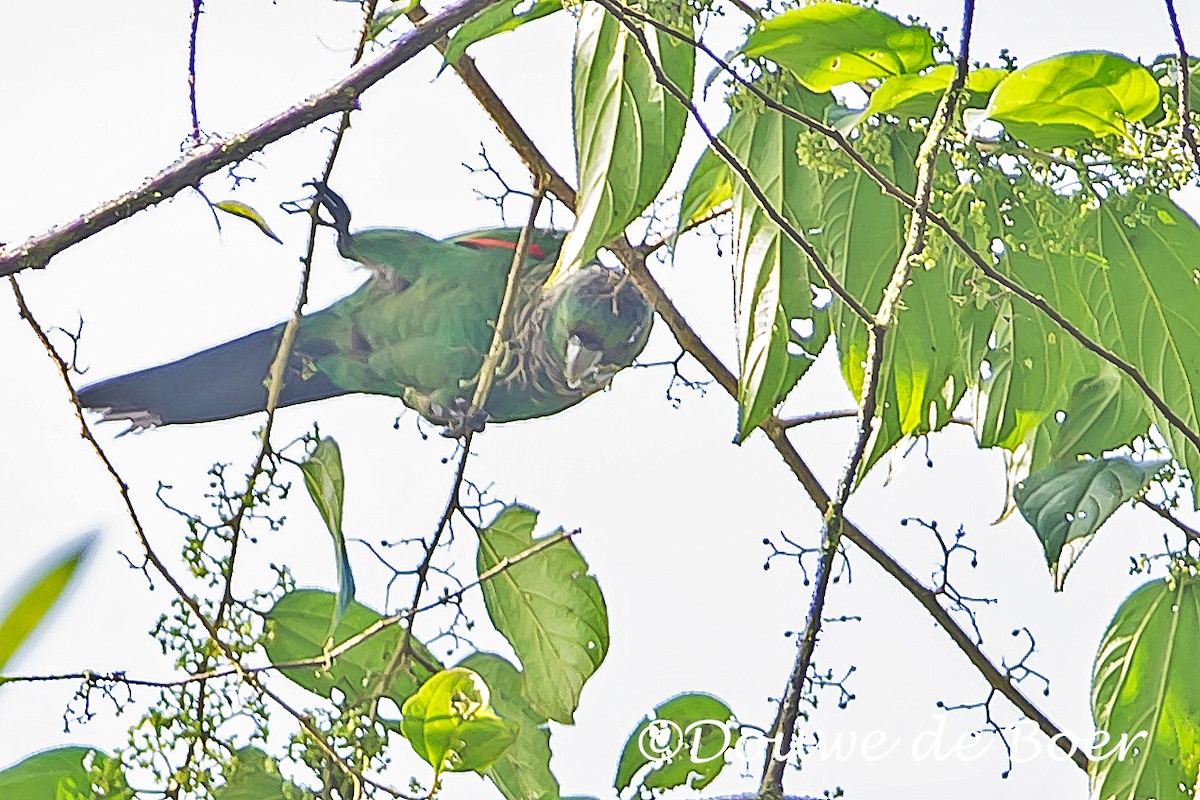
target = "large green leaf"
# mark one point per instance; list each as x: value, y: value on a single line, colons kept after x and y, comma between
x: 254, y: 775
x: 1066, y: 503
x: 498, y: 19
x: 36, y: 599
x: 523, y: 771
x: 683, y: 744
x: 298, y: 627
x: 1070, y: 98
x: 1147, y: 276
x: 64, y: 773
x: 709, y: 187
x: 548, y: 608
x: 915, y: 96
x: 628, y: 128
x: 926, y: 365
x: 828, y: 44
x: 1104, y: 411
x: 780, y: 332
x: 450, y: 723
x: 326, y: 484
x: 1144, y: 690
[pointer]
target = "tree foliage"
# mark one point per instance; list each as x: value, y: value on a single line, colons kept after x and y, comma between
x: 971, y: 236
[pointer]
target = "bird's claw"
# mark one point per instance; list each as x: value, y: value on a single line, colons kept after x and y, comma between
x: 339, y: 214
x: 462, y: 418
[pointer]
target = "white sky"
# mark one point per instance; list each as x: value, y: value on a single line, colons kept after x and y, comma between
x: 672, y: 514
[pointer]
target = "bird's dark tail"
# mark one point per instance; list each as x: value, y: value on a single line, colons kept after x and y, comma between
x: 225, y: 381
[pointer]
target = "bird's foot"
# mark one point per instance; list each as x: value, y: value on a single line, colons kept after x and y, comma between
x: 462, y: 418
x: 339, y: 214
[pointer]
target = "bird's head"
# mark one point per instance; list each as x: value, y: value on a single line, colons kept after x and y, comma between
x: 599, y: 324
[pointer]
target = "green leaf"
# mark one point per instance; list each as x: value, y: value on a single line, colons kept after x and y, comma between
x: 628, y: 128
x: 326, y: 484
x: 1144, y: 690
x: 384, y: 18
x: 684, y: 744
x: 497, y: 19
x: 926, y: 367
x: 64, y: 774
x: 450, y: 723
x: 1104, y: 411
x: 240, y: 209
x: 254, y: 775
x: 780, y: 332
x: 298, y: 627
x: 34, y: 602
x: 1070, y: 98
x: 829, y: 44
x: 1145, y: 289
x: 917, y: 96
x: 1066, y: 503
x: 709, y: 188
x: 548, y: 608
x: 523, y: 771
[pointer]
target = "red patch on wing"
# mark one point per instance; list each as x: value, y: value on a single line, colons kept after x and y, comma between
x: 483, y: 241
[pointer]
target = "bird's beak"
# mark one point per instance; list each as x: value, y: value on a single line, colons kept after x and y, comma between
x: 580, y: 362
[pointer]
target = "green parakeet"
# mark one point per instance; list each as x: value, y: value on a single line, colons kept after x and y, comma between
x: 417, y: 329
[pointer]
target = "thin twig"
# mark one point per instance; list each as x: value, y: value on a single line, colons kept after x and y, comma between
x: 1185, y: 82
x: 208, y: 158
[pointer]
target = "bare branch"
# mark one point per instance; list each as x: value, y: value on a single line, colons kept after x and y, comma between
x: 212, y: 156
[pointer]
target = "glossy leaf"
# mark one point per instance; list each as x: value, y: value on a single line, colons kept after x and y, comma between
x: 239, y: 209
x: 548, y: 608
x: 1066, y: 503
x: 36, y: 599
x: 829, y: 44
x: 1070, y: 98
x: 628, y: 128
x: 506, y: 16
x: 523, y: 770
x: 1144, y: 692
x: 297, y: 629
x: 780, y: 332
x: 64, y: 772
x: 708, y: 189
x: 326, y: 484
x: 254, y: 775
x: 450, y: 723
x: 683, y: 744
x: 917, y: 96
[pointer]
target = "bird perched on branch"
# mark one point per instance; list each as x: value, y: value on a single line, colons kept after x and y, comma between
x: 418, y: 329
